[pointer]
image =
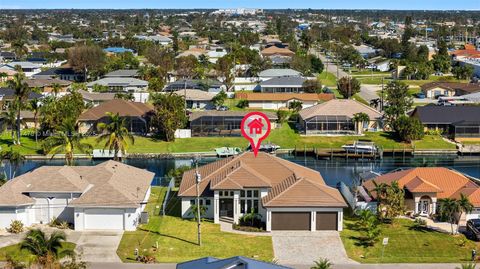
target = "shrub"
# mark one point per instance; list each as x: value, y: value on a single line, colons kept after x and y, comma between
x: 419, y: 223
x: 63, y: 225
x: 54, y: 222
x: 248, y: 229
x: 408, y: 129
x: 16, y: 227
x: 283, y: 115
x: 242, y: 103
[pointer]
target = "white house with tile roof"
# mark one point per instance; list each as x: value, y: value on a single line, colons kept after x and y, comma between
x: 108, y: 196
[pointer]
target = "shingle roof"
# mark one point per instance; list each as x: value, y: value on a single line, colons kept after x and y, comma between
x: 119, y: 81
x: 339, y: 107
x: 195, y: 95
x: 109, y: 184
x: 123, y: 73
x: 255, y: 96
x: 291, y: 184
x: 10, y: 94
x: 97, y: 96
x: 40, y: 82
x: 215, y: 113
x: 446, y: 114
x: 274, y: 72
x: 122, y: 107
x: 285, y: 81
x: 466, y: 87
x: 443, y: 181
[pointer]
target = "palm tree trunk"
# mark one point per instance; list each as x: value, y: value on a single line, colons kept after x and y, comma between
x: 18, y: 125
x: 35, y: 127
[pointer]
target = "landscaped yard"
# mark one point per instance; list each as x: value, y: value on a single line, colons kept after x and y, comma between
x: 407, y: 245
x: 327, y: 79
x: 177, y: 238
x: 17, y: 254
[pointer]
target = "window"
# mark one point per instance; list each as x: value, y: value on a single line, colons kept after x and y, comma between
x: 242, y: 206
x: 255, y: 193
x: 220, y: 193
x: 249, y: 193
x: 207, y: 202
x: 231, y: 193
x: 242, y: 193
x: 192, y: 202
x: 201, y: 202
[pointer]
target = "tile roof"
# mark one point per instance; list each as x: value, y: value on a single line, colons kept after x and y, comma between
x: 256, y: 96
x: 122, y: 107
x: 291, y: 184
x: 339, y: 107
x: 109, y: 184
x: 97, y: 96
x: 273, y: 50
x: 443, y: 181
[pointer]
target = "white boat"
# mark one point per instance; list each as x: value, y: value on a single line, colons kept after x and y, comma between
x: 361, y: 147
x: 105, y: 154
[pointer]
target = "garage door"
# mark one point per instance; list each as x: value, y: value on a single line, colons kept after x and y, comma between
x: 6, y: 217
x: 104, y: 219
x: 291, y: 221
x: 326, y: 221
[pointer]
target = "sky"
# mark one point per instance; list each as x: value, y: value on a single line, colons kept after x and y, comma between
x: 268, y: 4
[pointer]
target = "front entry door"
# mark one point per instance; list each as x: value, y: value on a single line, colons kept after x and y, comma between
x: 226, y: 208
x: 424, y: 207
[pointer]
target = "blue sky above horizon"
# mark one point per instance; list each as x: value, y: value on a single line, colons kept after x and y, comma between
x: 268, y: 4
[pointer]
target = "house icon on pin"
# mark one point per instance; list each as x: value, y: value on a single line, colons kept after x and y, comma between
x: 255, y: 126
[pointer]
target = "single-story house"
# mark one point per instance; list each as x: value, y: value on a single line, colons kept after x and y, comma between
x: 96, y: 98
x: 435, y: 89
x: 277, y: 72
x: 8, y: 72
x: 424, y: 186
x: 280, y: 61
x: 7, y: 96
x: 118, y: 50
x: 286, y: 195
x: 237, y: 262
x: 276, y: 51
x: 135, y: 86
x: 159, y: 39
x: 283, y: 100
x: 63, y: 73
x: 283, y: 84
x: 457, y: 122
x: 46, y: 85
x: 108, y: 196
x: 221, y: 123
x: 137, y: 116
x: 123, y: 73
x: 197, y: 99
x: 210, y: 85
x: 28, y: 68
x: 336, y: 117
x: 7, y: 56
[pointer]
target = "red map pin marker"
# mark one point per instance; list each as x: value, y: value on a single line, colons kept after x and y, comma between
x: 255, y: 127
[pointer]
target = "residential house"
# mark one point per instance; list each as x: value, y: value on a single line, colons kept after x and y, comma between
x: 118, y: 50
x: 336, y: 117
x: 215, y: 54
x: 276, y: 51
x: 63, y: 73
x: 365, y: 51
x: 286, y: 195
x: 436, y: 89
x: 96, y: 98
x: 108, y: 196
x: 197, y: 99
x: 278, y: 72
x: 28, y: 68
x: 135, y: 86
x: 7, y: 96
x: 8, y: 72
x: 237, y: 262
x: 457, y: 122
x: 137, y: 116
x: 221, y: 123
x: 290, y: 84
x: 282, y: 100
x: 123, y: 73
x: 424, y: 186
x: 209, y: 85
x: 7, y: 56
x: 159, y: 39
x: 46, y: 86
x: 192, y: 52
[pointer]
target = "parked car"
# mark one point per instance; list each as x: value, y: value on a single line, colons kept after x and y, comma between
x: 473, y: 228
x: 223, y: 108
x: 420, y: 95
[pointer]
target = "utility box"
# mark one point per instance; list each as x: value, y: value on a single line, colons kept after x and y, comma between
x: 144, y: 217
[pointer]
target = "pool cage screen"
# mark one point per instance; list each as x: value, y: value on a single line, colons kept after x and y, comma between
x: 329, y: 125
x: 216, y: 126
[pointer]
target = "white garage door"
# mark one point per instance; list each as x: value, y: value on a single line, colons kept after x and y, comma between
x: 6, y: 217
x: 104, y: 219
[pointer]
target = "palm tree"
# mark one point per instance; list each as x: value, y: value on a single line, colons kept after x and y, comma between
x: 115, y: 135
x: 21, y: 91
x: 9, y: 118
x: 449, y: 207
x: 464, y: 205
x: 359, y: 119
x: 46, y: 250
x: 56, y: 88
x: 15, y: 159
x: 19, y: 48
x: 34, y: 106
x: 322, y: 264
x: 66, y: 140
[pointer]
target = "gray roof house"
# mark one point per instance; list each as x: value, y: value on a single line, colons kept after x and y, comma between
x: 283, y: 84
x: 277, y: 72
x: 237, y: 262
x: 127, y: 73
x: 135, y: 86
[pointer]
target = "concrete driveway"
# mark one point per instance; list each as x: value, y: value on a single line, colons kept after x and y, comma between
x: 96, y: 246
x: 303, y: 247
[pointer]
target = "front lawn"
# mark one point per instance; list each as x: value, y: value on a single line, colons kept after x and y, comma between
x: 17, y: 254
x: 327, y: 79
x: 407, y: 245
x: 177, y: 238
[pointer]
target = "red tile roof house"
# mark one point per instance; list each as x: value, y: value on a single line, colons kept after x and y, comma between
x: 108, y: 196
x: 288, y: 196
x: 424, y: 186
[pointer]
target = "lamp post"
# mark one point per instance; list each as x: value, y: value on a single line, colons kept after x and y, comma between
x: 198, y: 179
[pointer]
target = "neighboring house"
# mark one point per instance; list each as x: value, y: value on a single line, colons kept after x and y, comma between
x: 335, y: 117
x: 28, y: 68
x: 209, y: 85
x: 472, y: 97
x: 276, y: 51
x: 282, y: 100
x: 436, y: 89
x: 197, y: 99
x: 46, y: 85
x: 286, y: 195
x: 237, y: 262
x: 192, y: 52
x: 123, y: 73
x: 9, y: 72
x: 214, y: 55
x: 283, y: 84
x: 280, y: 61
x: 424, y: 186
x: 7, y: 96
x: 365, y: 51
x: 457, y: 122
x: 159, y: 39
x: 6, y: 56
x: 118, y: 50
x: 278, y: 72
x: 63, y: 73
x: 137, y: 116
x: 135, y: 86
x: 221, y: 123
x: 108, y: 196
x: 96, y: 98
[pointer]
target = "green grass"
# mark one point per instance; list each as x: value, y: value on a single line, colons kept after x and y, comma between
x: 327, y: 79
x: 368, y: 72
x: 177, y: 238
x: 433, y: 142
x: 360, y: 99
x: 17, y: 254
x: 406, y: 245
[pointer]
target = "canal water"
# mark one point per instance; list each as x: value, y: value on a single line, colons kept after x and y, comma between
x: 332, y: 171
